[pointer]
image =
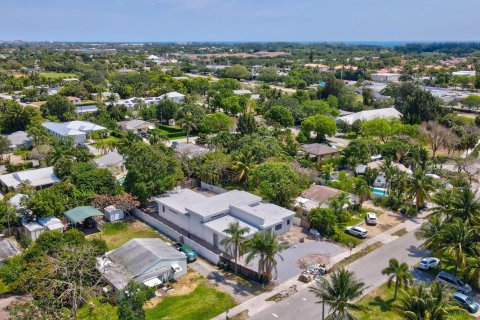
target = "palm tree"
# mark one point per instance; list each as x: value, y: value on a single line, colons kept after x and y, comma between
x: 389, y: 170
x: 339, y: 292
x: 419, y: 187
x: 235, y: 243
x: 464, y: 206
x: 443, y: 199
x: 456, y: 241
x: 422, y: 303
x: 431, y: 232
x: 362, y: 189
x: 243, y: 163
x: 399, y: 272
x: 188, y: 124
x: 472, y: 267
x: 338, y: 202
x: 371, y: 175
x: 266, y: 247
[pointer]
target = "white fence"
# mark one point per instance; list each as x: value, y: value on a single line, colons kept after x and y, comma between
x: 211, y: 187
x: 171, y: 233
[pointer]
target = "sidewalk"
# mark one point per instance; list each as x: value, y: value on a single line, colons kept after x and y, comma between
x: 259, y: 303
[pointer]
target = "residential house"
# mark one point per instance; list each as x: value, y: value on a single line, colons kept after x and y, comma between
x: 78, y: 130
x: 173, y: 96
x: 385, y: 77
x: 380, y: 181
x: 19, y: 139
x: 242, y: 92
x: 318, y: 196
x: 135, y: 126
x: 190, y: 150
x: 38, y: 178
x: 468, y: 73
x: 208, y: 217
x: 320, y: 152
x: 113, y: 161
x: 146, y: 261
x: 385, y: 113
x: 318, y: 67
x: 81, y: 110
x: 51, y: 223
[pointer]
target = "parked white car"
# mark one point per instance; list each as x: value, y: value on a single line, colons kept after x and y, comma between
x: 357, y: 232
x: 429, y: 263
x: 371, y: 218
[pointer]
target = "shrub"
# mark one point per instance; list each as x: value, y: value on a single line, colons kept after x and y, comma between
x: 324, y: 220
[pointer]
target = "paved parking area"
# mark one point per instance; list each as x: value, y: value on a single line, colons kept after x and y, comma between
x: 310, y: 251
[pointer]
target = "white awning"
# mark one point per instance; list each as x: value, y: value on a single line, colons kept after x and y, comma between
x: 176, y: 267
x: 152, y: 282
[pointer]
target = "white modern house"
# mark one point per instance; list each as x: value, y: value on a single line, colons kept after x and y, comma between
x: 148, y: 261
x: 135, y: 125
x: 208, y: 217
x: 385, y: 113
x: 38, y: 178
x: 385, y: 77
x: 151, y: 101
x: 78, y: 130
x: 91, y: 108
x: 173, y: 96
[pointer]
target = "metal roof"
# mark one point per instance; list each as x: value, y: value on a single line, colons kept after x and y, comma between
x: 78, y: 214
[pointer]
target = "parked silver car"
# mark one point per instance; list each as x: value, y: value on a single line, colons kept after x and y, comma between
x: 357, y: 232
x: 453, y: 282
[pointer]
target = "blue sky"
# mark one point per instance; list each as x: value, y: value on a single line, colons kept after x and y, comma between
x: 240, y: 20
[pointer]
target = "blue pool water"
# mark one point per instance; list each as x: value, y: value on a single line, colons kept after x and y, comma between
x: 379, y: 192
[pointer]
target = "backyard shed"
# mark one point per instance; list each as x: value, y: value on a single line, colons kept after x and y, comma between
x: 114, y: 214
x: 79, y: 214
x: 33, y: 230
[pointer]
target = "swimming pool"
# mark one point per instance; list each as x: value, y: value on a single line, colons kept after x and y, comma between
x: 379, y: 192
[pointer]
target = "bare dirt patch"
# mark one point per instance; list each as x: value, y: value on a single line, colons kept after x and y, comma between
x: 295, y: 235
x: 5, y: 301
x: 313, y: 258
x: 386, y: 220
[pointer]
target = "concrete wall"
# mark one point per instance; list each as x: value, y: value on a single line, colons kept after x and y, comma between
x: 166, y: 230
x: 212, y: 188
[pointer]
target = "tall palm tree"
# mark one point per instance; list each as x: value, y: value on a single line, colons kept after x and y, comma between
x: 443, y: 200
x: 362, y: 189
x: 419, y: 187
x: 235, y: 242
x: 389, y: 170
x: 431, y: 232
x: 338, y: 202
x: 464, y: 206
x: 266, y: 247
x: 457, y: 241
x: 339, y: 292
x: 243, y: 163
x: 188, y: 124
x: 399, y: 272
x: 423, y: 303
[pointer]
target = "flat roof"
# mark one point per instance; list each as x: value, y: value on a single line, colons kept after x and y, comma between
x: 222, y: 223
x: 81, y: 213
x: 180, y: 199
x: 72, y: 127
x: 36, y: 177
x: 221, y: 203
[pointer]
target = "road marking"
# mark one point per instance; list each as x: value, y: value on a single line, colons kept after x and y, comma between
x: 274, y: 315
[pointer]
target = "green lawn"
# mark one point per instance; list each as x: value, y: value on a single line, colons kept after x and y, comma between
x: 107, y: 140
x: 380, y: 305
x: 57, y: 75
x: 203, y: 303
x: 118, y: 233
x: 97, y: 309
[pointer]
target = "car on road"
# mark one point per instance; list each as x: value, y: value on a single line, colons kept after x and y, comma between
x: 466, y: 302
x: 191, y: 255
x: 453, y: 282
x: 429, y: 263
x: 357, y: 232
x: 371, y: 218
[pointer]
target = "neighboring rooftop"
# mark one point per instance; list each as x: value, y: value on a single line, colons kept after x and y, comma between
x: 111, y: 158
x: 72, y: 127
x: 8, y: 248
x: 79, y: 214
x: 318, y: 149
x: 386, y: 113
x: 190, y: 149
x: 36, y: 178
x: 135, y: 124
x: 19, y: 138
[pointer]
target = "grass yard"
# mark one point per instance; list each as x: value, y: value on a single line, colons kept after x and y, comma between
x: 381, y: 306
x: 96, y: 309
x: 357, y: 256
x: 118, y: 233
x: 205, y: 302
x: 58, y: 75
x: 107, y: 140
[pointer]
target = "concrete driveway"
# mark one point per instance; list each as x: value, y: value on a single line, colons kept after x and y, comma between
x: 308, y: 251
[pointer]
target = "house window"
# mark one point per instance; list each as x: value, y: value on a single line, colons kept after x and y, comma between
x: 288, y: 222
x: 278, y: 227
x: 163, y: 208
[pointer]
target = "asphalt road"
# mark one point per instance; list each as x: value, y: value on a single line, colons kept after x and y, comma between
x: 368, y: 269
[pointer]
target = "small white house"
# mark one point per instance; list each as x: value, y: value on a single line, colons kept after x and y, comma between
x: 385, y: 77
x: 51, y: 223
x: 114, y: 214
x: 78, y: 130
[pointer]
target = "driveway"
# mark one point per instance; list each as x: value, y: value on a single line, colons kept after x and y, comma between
x: 300, y: 255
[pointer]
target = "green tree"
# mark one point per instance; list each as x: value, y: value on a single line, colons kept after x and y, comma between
x: 235, y: 241
x: 267, y: 248
x: 277, y: 182
x: 15, y: 117
x: 419, y: 187
x: 152, y: 170
x: 243, y: 163
x: 214, y: 123
x: 236, y: 71
x: 246, y: 123
x: 322, y: 125
x: 323, y: 219
x: 280, y: 115
x: 4, y: 146
x: 58, y: 107
x: 431, y: 232
x: 362, y: 190
x: 54, y: 201
x: 90, y: 179
x: 379, y: 127
x: 399, y: 272
x: 368, y: 98
x: 457, y: 241
x: 188, y: 123
x: 471, y: 102
x: 339, y: 293
x: 131, y: 304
